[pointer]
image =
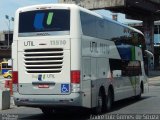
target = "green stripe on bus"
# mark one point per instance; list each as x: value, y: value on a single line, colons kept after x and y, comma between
x: 49, y: 19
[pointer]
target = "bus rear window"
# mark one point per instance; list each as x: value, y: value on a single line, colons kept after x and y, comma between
x: 44, y: 21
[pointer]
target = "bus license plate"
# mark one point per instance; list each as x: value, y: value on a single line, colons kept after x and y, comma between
x: 43, y: 86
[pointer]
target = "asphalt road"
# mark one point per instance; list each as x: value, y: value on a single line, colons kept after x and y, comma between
x: 147, y: 107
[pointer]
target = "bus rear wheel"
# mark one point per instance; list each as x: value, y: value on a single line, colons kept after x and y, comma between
x: 99, y: 108
x: 109, y: 100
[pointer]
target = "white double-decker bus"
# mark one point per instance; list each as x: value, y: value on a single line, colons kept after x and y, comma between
x: 67, y: 56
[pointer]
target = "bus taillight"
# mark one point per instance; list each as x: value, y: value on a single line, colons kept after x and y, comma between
x: 75, y: 76
x: 15, y: 77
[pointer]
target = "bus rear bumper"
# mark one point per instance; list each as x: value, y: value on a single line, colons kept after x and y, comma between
x: 71, y: 100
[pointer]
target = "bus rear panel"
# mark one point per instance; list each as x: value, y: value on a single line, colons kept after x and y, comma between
x: 42, y: 71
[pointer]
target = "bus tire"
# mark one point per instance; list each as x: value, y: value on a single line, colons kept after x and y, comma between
x: 47, y: 111
x: 109, y: 100
x: 99, y: 108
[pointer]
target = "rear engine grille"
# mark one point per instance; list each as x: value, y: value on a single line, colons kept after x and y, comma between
x: 43, y: 60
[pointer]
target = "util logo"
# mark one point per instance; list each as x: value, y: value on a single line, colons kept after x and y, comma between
x: 41, y: 77
x: 39, y: 20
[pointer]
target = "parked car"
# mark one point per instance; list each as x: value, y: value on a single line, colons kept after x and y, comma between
x: 8, y: 74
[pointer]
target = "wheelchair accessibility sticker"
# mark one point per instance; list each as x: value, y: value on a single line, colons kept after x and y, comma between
x: 64, y: 88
